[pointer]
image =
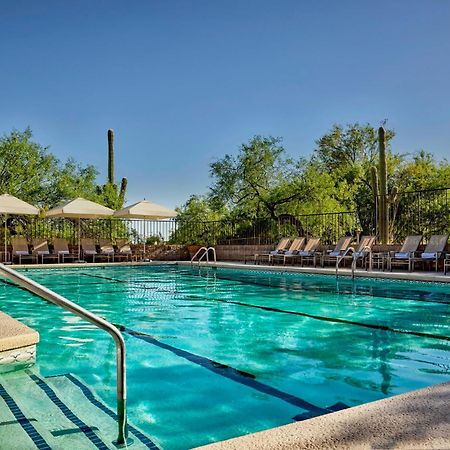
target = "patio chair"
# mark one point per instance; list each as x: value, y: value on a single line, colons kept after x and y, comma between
x: 124, y: 249
x: 280, y: 248
x: 293, y: 250
x: 20, y: 249
x: 339, y: 250
x: 309, y: 253
x: 362, y: 253
x: 88, y: 248
x: 406, y: 253
x: 61, y: 248
x: 40, y: 249
x: 433, y: 251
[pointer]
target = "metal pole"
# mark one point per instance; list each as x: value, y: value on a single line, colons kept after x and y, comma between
x: 99, y: 322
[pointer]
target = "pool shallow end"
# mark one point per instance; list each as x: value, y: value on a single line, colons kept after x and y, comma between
x: 418, y: 419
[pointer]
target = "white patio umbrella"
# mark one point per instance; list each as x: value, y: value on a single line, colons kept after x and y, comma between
x: 10, y: 205
x: 147, y: 211
x: 80, y: 208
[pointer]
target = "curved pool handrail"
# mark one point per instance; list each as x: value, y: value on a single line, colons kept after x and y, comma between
x: 207, y: 255
x: 204, y: 249
x: 99, y: 322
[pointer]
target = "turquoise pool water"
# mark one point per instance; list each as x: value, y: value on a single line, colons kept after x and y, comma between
x: 217, y: 353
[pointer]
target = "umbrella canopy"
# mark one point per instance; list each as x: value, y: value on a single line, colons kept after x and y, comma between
x: 80, y: 208
x: 13, y: 205
x: 10, y: 205
x: 145, y: 210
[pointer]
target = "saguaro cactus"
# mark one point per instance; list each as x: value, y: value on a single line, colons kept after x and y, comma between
x: 384, y: 200
x: 383, y: 188
x: 111, y: 156
x: 113, y: 198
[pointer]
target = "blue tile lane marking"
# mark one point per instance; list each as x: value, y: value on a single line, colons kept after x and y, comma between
x: 91, y: 397
x: 85, y: 429
x: 331, y: 319
x: 233, y: 374
x: 38, y: 440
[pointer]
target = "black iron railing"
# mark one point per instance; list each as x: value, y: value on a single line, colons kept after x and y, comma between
x: 414, y: 212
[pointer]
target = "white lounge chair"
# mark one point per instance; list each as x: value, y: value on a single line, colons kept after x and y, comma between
x: 406, y: 254
x: 293, y: 250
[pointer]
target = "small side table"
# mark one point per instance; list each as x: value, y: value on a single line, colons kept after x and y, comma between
x: 378, y: 260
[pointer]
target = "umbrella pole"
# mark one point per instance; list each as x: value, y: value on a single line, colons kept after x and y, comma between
x: 79, y: 240
x: 6, y: 247
x: 145, y: 236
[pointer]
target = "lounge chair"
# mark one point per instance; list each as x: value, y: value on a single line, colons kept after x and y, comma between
x: 124, y: 249
x: 88, y: 248
x: 61, y: 248
x: 309, y: 253
x: 362, y: 253
x: 406, y: 254
x: 293, y: 250
x: 107, y: 249
x: 433, y: 251
x: 20, y: 249
x: 40, y: 249
x: 280, y: 248
x: 339, y: 250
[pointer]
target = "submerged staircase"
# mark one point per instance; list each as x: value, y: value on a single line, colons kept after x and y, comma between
x: 57, y: 412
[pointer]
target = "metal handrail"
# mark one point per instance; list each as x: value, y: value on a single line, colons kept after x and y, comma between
x: 340, y: 258
x: 207, y: 255
x: 57, y: 299
x: 197, y: 252
x: 366, y: 248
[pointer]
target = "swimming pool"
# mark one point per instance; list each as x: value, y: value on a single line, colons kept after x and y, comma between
x: 217, y: 353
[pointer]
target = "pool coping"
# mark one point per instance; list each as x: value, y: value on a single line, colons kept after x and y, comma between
x: 438, y: 277
x: 414, y: 420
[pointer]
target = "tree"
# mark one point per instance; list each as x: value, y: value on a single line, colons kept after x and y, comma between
x: 253, y: 183
x: 30, y: 172
x: 348, y: 153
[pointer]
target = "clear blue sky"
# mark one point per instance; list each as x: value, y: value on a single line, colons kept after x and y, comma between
x: 183, y: 82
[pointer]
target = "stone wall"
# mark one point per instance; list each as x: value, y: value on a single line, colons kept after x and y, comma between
x: 240, y: 252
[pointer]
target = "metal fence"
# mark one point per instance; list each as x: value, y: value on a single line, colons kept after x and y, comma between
x: 416, y: 212
x: 423, y: 212
x: 327, y: 226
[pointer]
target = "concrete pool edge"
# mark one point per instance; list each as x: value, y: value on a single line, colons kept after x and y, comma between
x: 434, y: 277
x: 418, y: 419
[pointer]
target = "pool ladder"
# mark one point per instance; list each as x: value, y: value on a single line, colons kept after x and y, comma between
x: 53, y: 297
x: 205, y: 251
x: 354, y: 260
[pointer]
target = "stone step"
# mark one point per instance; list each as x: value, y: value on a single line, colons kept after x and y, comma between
x: 58, y: 412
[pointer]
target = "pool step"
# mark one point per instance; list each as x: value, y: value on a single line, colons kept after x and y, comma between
x: 57, y: 412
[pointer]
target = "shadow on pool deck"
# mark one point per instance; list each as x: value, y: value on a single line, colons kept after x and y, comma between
x: 415, y: 420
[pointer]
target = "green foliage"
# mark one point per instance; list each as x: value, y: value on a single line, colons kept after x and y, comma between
x: 261, y: 181
x: 31, y: 173
x: 111, y: 196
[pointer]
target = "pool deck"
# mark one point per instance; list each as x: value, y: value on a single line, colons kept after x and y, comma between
x: 415, y: 420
